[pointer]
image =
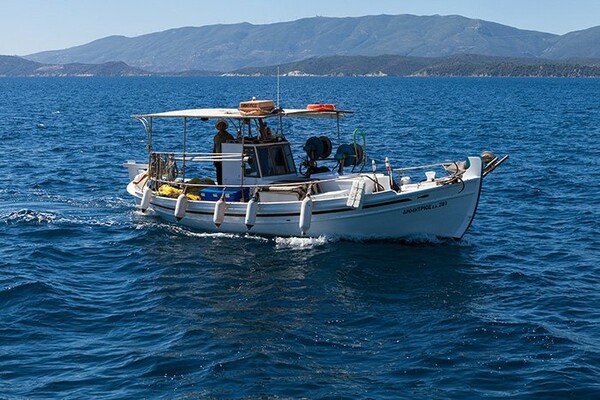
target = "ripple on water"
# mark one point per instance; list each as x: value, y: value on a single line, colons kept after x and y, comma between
x: 100, y: 300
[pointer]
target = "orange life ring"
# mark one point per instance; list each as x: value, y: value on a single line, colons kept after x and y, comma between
x: 321, y: 107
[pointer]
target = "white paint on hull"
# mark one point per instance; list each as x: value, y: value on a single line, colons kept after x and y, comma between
x: 439, y: 210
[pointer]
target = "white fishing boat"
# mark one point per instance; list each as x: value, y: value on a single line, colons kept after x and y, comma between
x: 335, y: 194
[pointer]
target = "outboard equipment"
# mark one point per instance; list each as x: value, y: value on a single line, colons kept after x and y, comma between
x: 349, y: 154
x: 317, y: 148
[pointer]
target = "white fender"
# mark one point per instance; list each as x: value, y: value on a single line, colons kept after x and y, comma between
x: 146, y: 197
x: 219, y: 214
x: 305, y: 214
x: 251, y: 209
x: 181, y: 206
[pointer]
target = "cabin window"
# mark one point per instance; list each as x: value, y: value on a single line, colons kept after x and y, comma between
x: 274, y: 160
x: 290, y: 159
x: 279, y: 166
x: 251, y: 167
x: 263, y: 160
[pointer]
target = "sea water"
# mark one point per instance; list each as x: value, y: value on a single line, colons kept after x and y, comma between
x: 101, y: 301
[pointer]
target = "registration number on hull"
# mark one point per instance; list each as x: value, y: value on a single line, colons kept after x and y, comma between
x: 425, y: 207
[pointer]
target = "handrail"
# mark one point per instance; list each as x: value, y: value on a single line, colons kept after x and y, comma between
x: 236, y: 157
x: 286, y: 184
x: 423, y: 167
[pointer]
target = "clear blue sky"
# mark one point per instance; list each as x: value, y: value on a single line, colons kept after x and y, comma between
x: 28, y: 26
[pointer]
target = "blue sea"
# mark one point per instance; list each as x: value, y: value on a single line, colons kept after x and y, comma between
x: 101, y: 301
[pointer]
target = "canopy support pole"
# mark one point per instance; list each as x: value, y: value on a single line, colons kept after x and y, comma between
x: 338, y: 129
x: 184, y: 143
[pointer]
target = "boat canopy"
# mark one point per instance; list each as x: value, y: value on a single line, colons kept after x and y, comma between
x: 237, y: 114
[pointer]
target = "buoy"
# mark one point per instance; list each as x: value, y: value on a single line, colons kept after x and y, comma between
x: 146, y: 197
x: 321, y: 107
x: 219, y: 214
x: 251, y: 213
x: 305, y: 215
x: 180, y: 206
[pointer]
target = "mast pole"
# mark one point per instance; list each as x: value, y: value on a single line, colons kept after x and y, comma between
x: 278, y: 106
x: 278, y: 87
x: 184, y: 143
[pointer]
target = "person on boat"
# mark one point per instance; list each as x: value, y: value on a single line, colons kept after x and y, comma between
x: 265, y: 131
x: 221, y: 137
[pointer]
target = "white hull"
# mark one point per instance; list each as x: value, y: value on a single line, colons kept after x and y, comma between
x: 427, y: 208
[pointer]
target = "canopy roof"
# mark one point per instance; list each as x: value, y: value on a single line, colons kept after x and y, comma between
x: 237, y: 114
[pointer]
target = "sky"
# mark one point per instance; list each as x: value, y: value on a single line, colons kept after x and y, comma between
x: 30, y: 26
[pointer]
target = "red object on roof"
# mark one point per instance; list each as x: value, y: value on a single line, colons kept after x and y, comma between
x: 321, y: 107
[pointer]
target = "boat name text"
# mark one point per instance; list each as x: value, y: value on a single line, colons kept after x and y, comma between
x: 425, y: 207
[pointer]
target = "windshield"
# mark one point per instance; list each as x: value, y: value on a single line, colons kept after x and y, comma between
x: 273, y: 159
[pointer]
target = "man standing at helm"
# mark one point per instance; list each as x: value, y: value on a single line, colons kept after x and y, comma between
x: 221, y: 137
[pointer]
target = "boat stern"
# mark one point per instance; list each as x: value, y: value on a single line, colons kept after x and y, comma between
x: 134, y: 169
x: 138, y: 176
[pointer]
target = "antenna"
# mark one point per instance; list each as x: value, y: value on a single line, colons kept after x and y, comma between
x: 280, y: 130
x: 278, y: 88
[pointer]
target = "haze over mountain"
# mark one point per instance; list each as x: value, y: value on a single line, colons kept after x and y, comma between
x: 229, y: 47
x: 17, y: 66
x: 585, y: 43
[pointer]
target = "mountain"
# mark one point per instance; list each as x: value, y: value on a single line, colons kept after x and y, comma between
x: 229, y: 47
x: 584, y: 43
x: 17, y: 66
x: 456, y: 65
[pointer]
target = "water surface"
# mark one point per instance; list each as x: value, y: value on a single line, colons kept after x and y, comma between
x: 101, y: 301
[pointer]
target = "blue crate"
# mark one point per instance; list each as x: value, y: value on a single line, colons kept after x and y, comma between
x: 231, y: 194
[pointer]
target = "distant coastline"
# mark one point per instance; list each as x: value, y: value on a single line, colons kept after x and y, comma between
x: 451, y: 66
x: 335, y: 66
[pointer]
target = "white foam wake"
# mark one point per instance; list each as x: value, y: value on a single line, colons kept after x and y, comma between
x: 300, y: 243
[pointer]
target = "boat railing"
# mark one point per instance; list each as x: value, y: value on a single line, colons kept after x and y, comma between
x: 163, y: 170
x: 171, y: 168
x: 194, y: 185
x: 445, y: 165
x: 172, y: 165
x: 453, y: 170
x: 200, y: 157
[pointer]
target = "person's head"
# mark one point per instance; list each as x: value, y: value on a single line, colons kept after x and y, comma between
x: 221, y: 125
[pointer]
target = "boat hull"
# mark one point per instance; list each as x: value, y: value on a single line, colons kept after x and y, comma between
x: 444, y: 211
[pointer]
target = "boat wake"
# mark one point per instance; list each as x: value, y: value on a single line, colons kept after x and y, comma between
x: 300, y: 243
x: 211, y: 235
x: 31, y: 217
x: 28, y: 216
